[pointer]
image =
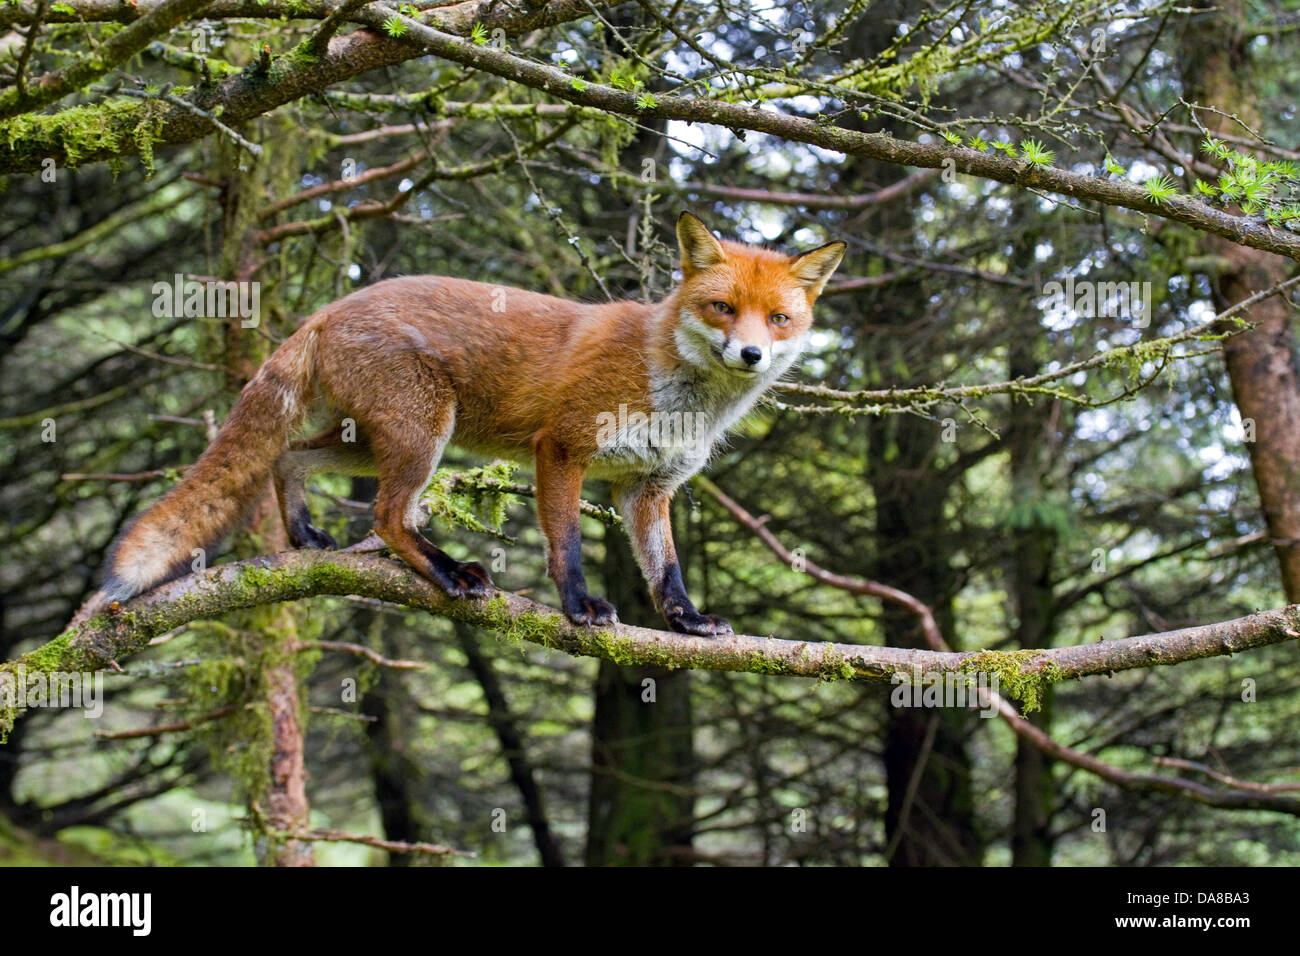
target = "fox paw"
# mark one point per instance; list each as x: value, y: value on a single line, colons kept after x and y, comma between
x: 687, y: 620
x: 310, y: 536
x: 588, y: 610
x: 469, y: 579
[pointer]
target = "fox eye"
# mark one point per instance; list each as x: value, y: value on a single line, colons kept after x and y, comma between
x: 723, y: 307
x: 779, y: 318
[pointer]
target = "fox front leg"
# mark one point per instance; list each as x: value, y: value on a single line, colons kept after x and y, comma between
x: 646, y: 511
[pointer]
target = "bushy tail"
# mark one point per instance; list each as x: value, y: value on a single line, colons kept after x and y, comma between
x: 218, y: 489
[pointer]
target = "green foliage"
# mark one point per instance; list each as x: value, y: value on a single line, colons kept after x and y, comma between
x: 625, y: 75
x: 1264, y: 188
x: 1216, y: 147
x: 1036, y: 153
x: 1036, y: 513
x: 470, y: 498
x: 1161, y: 188
x: 115, y: 849
x: 1016, y: 679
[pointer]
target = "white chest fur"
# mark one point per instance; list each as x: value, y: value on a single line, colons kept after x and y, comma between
x: 693, y: 407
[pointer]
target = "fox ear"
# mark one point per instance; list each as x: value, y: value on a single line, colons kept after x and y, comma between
x: 699, y: 247
x: 812, y: 269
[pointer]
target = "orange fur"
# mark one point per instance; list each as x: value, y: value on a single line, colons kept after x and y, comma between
x: 421, y: 361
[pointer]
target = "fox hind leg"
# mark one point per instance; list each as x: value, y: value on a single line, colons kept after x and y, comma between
x: 326, y: 452
x: 407, y: 447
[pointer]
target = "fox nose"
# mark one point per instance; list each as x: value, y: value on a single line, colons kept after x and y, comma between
x: 752, y: 354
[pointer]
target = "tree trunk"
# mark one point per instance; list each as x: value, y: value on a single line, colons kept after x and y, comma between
x: 512, y: 746
x: 394, y: 774
x: 1034, y: 541
x: 283, y: 803
x: 1261, y: 363
x: 930, y: 817
x: 287, y: 809
x: 641, y: 807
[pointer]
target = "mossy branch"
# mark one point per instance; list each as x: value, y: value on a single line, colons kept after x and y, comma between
x: 877, y: 146
x: 73, y: 135
x: 294, y: 575
x: 117, y: 127
x: 119, y: 48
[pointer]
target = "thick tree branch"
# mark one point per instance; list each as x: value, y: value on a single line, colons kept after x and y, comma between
x: 293, y: 575
x: 27, y: 140
x: 1239, y: 795
x: 877, y: 146
x: 27, y: 12
x: 119, y: 48
x: 255, y: 92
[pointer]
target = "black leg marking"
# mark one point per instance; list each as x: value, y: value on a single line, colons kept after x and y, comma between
x: 304, y: 534
x: 580, y: 606
x: 679, y: 612
x: 460, y: 579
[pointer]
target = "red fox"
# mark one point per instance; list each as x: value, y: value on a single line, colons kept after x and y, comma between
x: 634, y: 393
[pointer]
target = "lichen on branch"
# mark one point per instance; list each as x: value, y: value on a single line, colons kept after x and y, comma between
x: 293, y: 575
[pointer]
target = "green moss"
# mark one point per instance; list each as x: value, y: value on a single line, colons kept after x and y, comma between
x: 530, y: 626
x: 628, y: 652
x: 7, y: 717
x: 78, y: 130
x: 333, y: 578
x: 758, y: 663
x: 236, y: 663
x: 324, y: 576
x: 304, y: 54
x: 61, y: 655
x: 218, y: 69
x: 149, y: 131
x: 253, y: 576
x: 834, y: 666
x: 1015, y: 680
x: 58, y: 655
x: 243, y: 743
x: 478, y: 499
x: 621, y: 651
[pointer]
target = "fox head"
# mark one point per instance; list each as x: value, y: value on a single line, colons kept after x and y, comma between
x: 745, y: 311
